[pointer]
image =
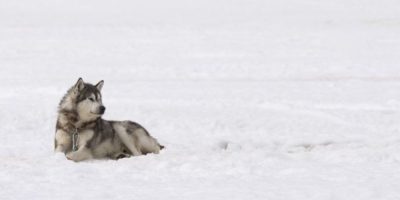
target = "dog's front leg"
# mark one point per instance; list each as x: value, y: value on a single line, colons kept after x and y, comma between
x: 62, y: 141
x: 81, y: 154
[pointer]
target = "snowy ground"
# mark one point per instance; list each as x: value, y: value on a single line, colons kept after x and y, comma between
x: 252, y: 99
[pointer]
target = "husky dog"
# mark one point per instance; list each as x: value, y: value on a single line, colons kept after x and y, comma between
x: 82, y: 134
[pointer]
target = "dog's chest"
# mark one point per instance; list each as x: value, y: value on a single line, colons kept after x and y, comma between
x: 84, y: 137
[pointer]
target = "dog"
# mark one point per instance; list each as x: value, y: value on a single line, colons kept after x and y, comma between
x: 82, y: 134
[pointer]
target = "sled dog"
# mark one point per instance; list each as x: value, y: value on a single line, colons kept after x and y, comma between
x: 82, y: 134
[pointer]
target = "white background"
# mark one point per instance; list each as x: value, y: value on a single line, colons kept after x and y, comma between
x: 252, y: 99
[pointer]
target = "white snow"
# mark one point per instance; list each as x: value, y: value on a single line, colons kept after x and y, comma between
x: 252, y: 99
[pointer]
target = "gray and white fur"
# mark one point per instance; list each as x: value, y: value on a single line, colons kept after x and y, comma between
x: 80, y: 112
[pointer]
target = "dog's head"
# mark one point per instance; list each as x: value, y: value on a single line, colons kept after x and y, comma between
x: 89, y: 104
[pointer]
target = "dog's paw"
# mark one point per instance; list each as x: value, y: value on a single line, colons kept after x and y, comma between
x: 79, y: 155
x: 72, y: 156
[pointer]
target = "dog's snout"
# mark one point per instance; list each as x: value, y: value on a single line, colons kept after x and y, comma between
x: 102, y: 109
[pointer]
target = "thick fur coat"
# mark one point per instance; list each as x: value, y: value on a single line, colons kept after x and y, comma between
x: 82, y: 134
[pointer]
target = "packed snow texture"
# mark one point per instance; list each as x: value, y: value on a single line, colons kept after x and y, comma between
x: 252, y: 99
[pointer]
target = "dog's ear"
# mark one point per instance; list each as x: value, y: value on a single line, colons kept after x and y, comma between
x: 99, y: 85
x: 79, y: 85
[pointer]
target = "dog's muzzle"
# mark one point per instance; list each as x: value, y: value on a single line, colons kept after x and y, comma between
x: 102, y: 109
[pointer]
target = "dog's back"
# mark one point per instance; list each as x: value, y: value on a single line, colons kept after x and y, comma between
x: 115, y: 138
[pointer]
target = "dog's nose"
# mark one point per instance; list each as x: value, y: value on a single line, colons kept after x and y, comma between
x: 102, y: 109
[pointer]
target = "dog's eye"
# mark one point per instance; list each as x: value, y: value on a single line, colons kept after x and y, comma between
x: 91, y: 99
